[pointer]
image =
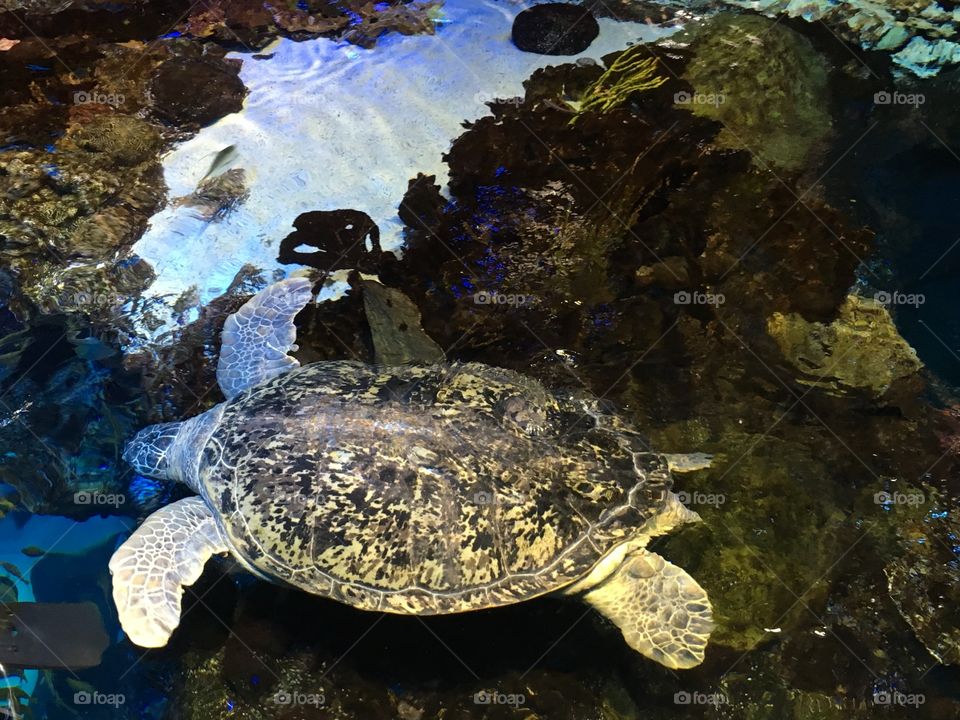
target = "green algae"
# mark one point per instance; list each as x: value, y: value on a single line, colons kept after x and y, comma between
x: 765, y: 83
x: 634, y: 70
x: 762, y: 498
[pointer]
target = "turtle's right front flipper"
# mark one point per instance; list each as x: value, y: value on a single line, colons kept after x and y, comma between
x: 153, y: 566
x: 258, y: 336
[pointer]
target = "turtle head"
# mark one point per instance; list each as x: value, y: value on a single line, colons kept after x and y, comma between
x: 150, y: 451
x: 171, y: 451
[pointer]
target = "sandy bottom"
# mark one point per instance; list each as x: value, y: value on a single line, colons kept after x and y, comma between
x: 328, y: 125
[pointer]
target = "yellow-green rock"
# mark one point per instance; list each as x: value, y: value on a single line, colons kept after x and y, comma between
x: 765, y: 83
x: 861, y: 349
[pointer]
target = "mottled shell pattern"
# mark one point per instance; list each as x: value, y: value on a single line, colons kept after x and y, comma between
x: 425, y: 489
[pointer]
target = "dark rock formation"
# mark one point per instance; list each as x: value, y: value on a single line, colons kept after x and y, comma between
x: 188, y: 91
x: 555, y: 29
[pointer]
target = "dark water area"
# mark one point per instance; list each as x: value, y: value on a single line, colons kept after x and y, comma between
x: 742, y: 238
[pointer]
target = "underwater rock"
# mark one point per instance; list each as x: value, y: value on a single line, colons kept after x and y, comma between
x: 525, y: 241
x: 395, y: 328
x: 555, y: 29
x: 527, y: 250
x: 175, y: 87
x: 125, y: 140
x: 860, y: 350
x: 256, y: 24
x: 65, y: 217
x: 920, y: 31
x: 422, y: 204
x: 339, y: 237
x: 82, y: 176
x: 765, y: 83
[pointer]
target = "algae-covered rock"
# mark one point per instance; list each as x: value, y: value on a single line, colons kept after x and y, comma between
x: 124, y: 139
x: 861, y: 349
x: 917, y: 29
x: 760, y: 500
x: 765, y: 83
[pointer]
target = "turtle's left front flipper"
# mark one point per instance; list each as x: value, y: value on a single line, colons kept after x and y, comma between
x: 661, y: 610
x: 153, y: 566
x: 258, y: 336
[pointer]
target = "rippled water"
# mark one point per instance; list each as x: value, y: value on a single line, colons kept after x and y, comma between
x: 328, y: 125
x: 686, y: 255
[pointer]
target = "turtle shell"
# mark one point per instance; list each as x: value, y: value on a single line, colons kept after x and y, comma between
x: 425, y: 489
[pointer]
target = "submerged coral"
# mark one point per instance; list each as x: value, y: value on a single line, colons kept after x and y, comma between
x: 634, y: 70
x: 174, y: 90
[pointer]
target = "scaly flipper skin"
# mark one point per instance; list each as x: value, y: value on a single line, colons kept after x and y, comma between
x: 258, y: 336
x: 153, y: 566
x: 661, y: 610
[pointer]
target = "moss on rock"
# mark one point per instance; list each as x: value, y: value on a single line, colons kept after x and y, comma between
x: 860, y: 350
x: 765, y: 83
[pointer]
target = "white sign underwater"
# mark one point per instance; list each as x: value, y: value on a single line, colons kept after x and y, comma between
x: 328, y: 125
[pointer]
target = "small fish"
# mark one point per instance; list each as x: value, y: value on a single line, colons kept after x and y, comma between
x: 220, y: 163
x: 33, y: 551
x: 12, y: 569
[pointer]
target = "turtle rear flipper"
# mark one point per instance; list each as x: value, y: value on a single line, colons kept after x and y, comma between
x: 153, y: 566
x: 662, y: 611
x: 258, y: 336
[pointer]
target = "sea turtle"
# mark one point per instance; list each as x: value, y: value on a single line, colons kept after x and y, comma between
x: 418, y: 489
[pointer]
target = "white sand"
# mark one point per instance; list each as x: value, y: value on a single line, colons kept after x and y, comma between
x: 328, y: 125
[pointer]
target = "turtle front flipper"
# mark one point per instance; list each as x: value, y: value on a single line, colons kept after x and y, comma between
x: 662, y: 611
x: 153, y: 566
x: 258, y: 336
